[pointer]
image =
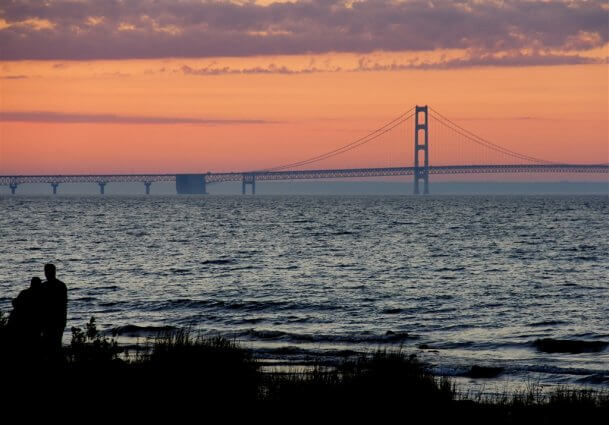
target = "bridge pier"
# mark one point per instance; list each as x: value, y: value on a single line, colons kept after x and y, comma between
x: 54, y: 186
x: 13, y: 187
x: 248, y: 179
x: 102, y: 187
x: 421, y: 173
x: 147, y: 184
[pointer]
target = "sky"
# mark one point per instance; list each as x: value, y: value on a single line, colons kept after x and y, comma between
x: 194, y: 86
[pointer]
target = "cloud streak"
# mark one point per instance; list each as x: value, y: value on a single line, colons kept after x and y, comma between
x: 67, y: 30
x: 366, y: 64
x: 481, y: 59
x: 67, y: 118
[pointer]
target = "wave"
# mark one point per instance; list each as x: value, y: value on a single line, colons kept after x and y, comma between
x: 89, y: 291
x: 31, y: 261
x: 584, y: 376
x: 587, y: 258
x: 184, y: 303
x: 547, y: 323
x: 292, y: 267
x: 544, y: 345
x: 446, y: 345
x: 387, y: 337
x: 449, y: 370
x: 392, y: 311
x: 582, y: 247
x: 554, y: 370
x: 137, y: 234
x: 595, y: 378
x: 135, y: 330
x: 254, y: 306
x: 83, y: 299
x: 180, y: 271
x: 449, y: 269
x: 219, y: 261
x: 291, y: 351
x: 253, y: 320
x: 257, y: 305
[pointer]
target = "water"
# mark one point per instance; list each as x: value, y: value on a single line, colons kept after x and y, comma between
x: 475, y: 279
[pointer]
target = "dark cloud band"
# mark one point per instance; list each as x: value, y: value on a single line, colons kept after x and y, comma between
x: 115, y: 29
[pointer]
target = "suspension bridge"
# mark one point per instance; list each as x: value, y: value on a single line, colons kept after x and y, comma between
x: 413, y: 131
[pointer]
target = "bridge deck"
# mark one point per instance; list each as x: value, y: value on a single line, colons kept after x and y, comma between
x: 312, y: 174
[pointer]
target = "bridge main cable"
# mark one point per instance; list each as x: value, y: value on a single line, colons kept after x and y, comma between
x: 483, y: 142
x: 355, y: 144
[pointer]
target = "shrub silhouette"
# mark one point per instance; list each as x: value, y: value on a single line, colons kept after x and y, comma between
x: 89, y: 346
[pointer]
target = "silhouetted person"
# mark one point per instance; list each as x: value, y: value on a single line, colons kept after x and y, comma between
x: 55, y: 311
x: 25, y: 321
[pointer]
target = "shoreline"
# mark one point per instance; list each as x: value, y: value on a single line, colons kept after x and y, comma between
x: 491, y: 377
x: 482, y: 374
x: 501, y: 373
x: 166, y: 367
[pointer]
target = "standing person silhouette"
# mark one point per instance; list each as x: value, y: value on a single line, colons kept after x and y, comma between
x: 55, y: 312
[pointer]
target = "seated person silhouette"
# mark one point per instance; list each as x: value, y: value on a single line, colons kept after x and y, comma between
x: 25, y: 321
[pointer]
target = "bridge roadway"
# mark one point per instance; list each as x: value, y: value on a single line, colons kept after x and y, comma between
x: 311, y: 174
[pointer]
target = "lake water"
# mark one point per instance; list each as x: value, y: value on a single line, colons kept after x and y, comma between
x: 473, y: 280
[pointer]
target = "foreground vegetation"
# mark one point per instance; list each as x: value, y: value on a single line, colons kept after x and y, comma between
x: 181, y: 366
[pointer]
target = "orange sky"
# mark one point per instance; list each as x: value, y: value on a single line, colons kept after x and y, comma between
x: 559, y: 113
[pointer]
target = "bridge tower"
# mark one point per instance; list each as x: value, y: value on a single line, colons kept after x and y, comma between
x: 421, y: 172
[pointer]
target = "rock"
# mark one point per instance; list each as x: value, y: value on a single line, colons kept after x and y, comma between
x: 484, y: 372
x: 571, y: 346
